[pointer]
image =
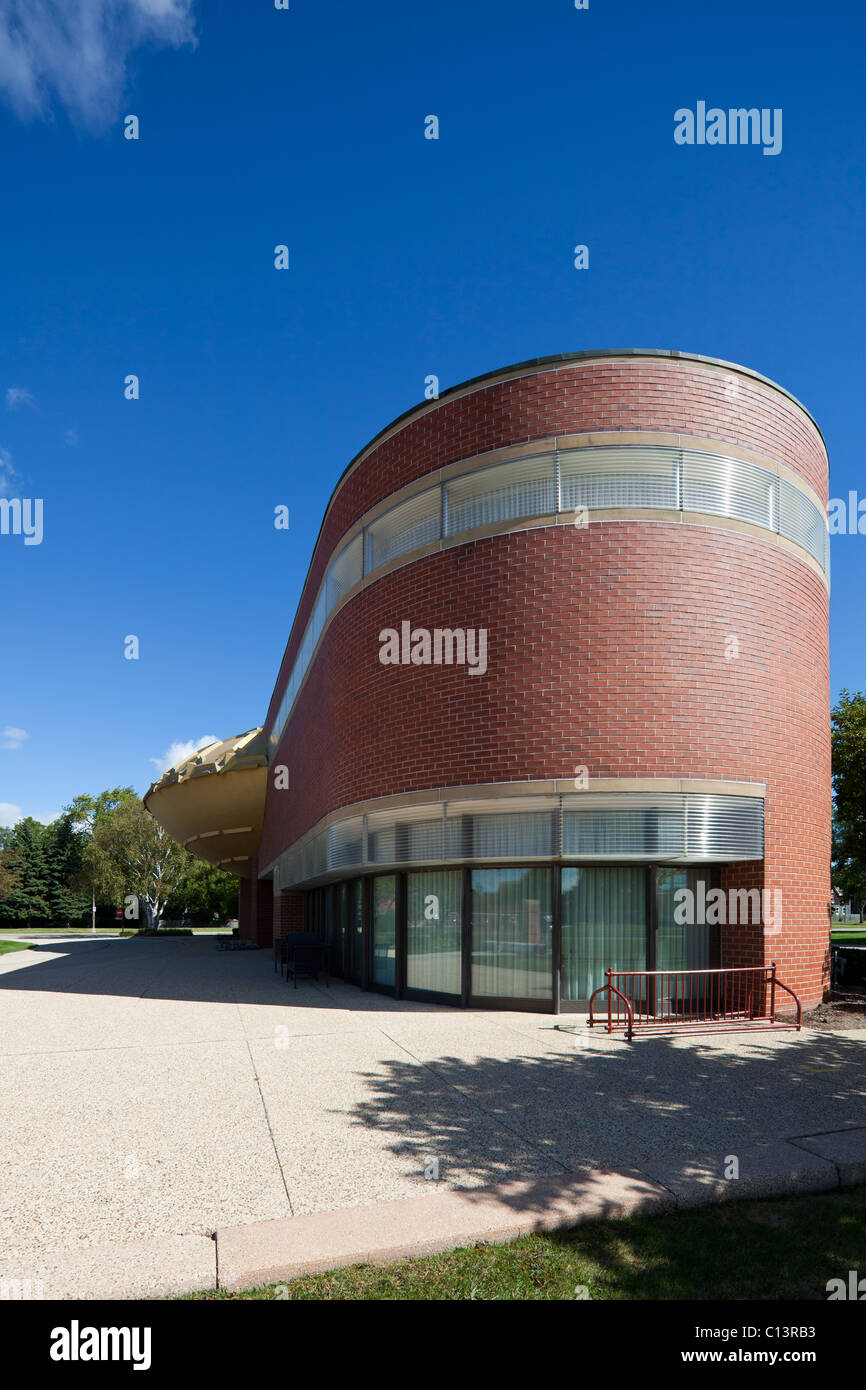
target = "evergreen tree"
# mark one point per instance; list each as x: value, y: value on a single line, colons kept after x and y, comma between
x: 64, y: 847
x: 27, y: 858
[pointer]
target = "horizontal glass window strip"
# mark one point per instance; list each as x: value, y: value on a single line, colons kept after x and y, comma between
x: 530, y: 834
x: 730, y: 487
x: 314, y: 856
x: 511, y: 828
x: 317, y: 621
x: 725, y: 827
x: 425, y: 840
x: 594, y: 825
x: 654, y: 832
x: 597, y: 478
x: 345, y: 572
x: 626, y: 477
x: 382, y: 846
x: 703, y: 827
x: 801, y: 521
x: 404, y: 836
x: 305, y: 655
x: 522, y: 488
x: 346, y: 843
x: 405, y: 528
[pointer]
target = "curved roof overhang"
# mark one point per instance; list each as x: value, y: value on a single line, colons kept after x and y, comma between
x: 213, y: 802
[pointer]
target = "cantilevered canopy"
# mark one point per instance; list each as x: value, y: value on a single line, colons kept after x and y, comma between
x: 213, y: 802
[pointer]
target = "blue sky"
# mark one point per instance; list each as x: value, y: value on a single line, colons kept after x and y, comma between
x: 408, y: 257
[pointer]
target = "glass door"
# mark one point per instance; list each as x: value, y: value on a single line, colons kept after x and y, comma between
x: 385, y: 930
x: 604, y: 926
x: 512, y: 934
x: 434, y: 935
x: 684, y: 939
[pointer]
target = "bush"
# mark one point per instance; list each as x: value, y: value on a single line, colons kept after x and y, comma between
x: 164, y: 931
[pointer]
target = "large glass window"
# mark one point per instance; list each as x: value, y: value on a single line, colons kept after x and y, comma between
x: 684, y: 940
x: 603, y: 925
x: 433, y: 931
x: 384, y: 929
x: 512, y: 927
x: 608, y: 915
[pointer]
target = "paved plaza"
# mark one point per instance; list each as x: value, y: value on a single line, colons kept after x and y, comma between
x: 164, y: 1088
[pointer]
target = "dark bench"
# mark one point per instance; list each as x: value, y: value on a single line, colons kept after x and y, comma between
x: 302, y: 953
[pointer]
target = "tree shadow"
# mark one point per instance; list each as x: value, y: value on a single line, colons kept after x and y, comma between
x: 545, y: 1125
x: 179, y: 969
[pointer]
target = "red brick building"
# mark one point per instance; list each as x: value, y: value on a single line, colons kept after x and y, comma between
x: 557, y: 692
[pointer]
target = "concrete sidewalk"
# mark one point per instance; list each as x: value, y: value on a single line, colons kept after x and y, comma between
x: 244, y: 1257
x: 159, y: 1091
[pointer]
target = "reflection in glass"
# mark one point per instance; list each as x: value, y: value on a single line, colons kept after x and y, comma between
x: 433, y: 934
x: 603, y: 925
x: 512, y: 928
x: 384, y: 929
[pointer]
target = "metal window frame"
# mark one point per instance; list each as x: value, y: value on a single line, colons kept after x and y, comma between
x: 315, y: 910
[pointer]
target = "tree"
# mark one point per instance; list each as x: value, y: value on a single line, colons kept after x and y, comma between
x: 64, y: 848
x: 129, y: 854
x: 25, y: 857
x: 849, y: 792
x: 8, y: 877
x: 85, y: 813
x: 849, y: 875
x: 205, y: 891
x: 88, y: 811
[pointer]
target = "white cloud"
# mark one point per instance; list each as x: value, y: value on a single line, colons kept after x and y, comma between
x: 71, y: 437
x: 18, y: 395
x: 179, y: 751
x: 75, y: 51
x: 12, y: 738
x: 10, y: 815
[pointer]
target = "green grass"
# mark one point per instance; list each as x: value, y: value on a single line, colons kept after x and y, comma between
x: 849, y: 938
x: 60, y: 931
x: 784, y: 1249
x: 7, y: 946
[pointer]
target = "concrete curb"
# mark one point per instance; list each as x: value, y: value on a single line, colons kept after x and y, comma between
x: 271, y: 1251
x: 268, y: 1251
x: 243, y: 1257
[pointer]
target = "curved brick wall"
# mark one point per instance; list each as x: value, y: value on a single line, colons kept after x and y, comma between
x: 606, y: 645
